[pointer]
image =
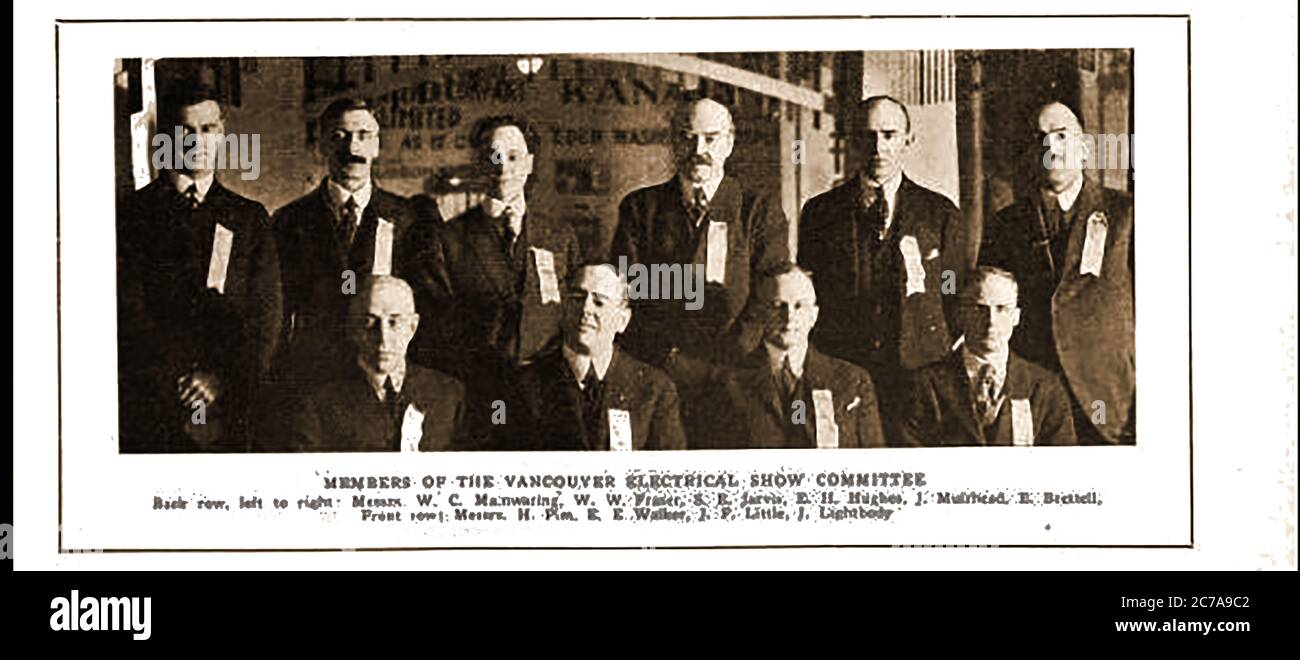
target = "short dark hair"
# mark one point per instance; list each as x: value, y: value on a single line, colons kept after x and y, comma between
x: 480, y: 137
x: 334, y: 110
x: 871, y: 101
x: 784, y: 268
x: 977, y: 275
x: 180, y: 96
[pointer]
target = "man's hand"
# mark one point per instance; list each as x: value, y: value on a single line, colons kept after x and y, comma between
x: 198, y: 386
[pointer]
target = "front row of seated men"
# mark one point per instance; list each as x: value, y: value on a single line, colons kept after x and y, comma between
x: 586, y: 394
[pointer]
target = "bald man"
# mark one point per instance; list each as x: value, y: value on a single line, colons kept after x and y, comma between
x: 984, y: 394
x: 1069, y: 244
x: 380, y: 402
x: 588, y: 394
x: 787, y: 394
x: 703, y: 218
x: 877, y: 248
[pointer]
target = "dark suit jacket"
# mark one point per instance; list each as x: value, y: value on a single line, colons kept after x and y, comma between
x: 313, y: 263
x: 346, y: 415
x: 476, y: 313
x: 1081, y: 324
x: 831, y: 247
x: 552, y: 400
x: 749, y: 414
x: 653, y: 228
x: 942, y: 412
x: 169, y: 322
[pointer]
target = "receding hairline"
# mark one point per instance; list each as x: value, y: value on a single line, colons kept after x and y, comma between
x: 768, y: 280
x: 682, y: 113
x: 870, y: 102
x: 371, y: 284
x: 623, y: 286
x: 976, y: 278
x: 1069, y: 112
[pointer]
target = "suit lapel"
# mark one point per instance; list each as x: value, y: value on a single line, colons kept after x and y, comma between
x: 759, y: 383
x: 485, y: 243
x: 565, y: 402
x: 1087, y: 202
x: 962, y: 404
x: 618, y: 392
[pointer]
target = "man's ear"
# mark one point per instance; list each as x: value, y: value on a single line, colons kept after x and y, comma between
x: 1015, y: 317
x: 624, y: 317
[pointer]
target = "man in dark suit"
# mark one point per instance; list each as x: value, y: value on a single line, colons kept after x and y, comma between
x: 714, y: 232
x: 877, y: 246
x: 589, y: 395
x: 198, y: 296
x: 983, y: 393
x: 788, y: 394
x: 491, y: 278
x: 382, y: 402
x: 1069, y: 244
x: 346, y: 228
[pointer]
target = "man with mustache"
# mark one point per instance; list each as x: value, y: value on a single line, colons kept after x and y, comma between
x: 876, y: 246
x: 491, y: 277
x: 787, y: 394
x: 198, y: 294
x: 701, y: 219
x: 588, y: 394
x: 381, y: 402
x: 1069, y: 242
x: 983, y: 394
x: 346, y: 228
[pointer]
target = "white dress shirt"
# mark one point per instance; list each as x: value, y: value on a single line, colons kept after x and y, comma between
x: 183, y: 182
x: 580, y: 363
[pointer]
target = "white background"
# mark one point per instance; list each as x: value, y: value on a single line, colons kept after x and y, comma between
x: 1244, y: 318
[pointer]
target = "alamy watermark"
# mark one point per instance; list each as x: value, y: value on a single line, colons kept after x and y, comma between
x: 216, y: 151
x: 665, y: 282
x: 1088, y: 151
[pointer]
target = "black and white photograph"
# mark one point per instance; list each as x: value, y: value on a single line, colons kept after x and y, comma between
x: 388, y: 289
x: 622, y: 251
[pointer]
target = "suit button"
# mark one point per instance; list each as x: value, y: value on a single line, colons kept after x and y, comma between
x: 875, y: 344
x: 878, y: 309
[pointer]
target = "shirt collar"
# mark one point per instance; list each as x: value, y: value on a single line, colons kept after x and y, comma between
x: 710, y: 188
x: 183, y: 181
x: 776, y: 355
x: 973, y: 363
x: 495, y: 208
x: 1067, y: 197
x: 578, y: 363
x: 376, y: 378
x: 338, y: 195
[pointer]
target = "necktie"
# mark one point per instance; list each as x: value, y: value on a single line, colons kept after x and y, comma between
x: 987, y: 401
x: 508, y: 235
x: 699, y: 205
x: 592, y: 400
x: 347, y: 225
x: 789, y: 381
x: 392, y: 401
x: 192, y: 195
x: 877, y: 210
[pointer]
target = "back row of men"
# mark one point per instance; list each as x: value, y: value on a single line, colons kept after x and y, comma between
x: 357, y: 320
